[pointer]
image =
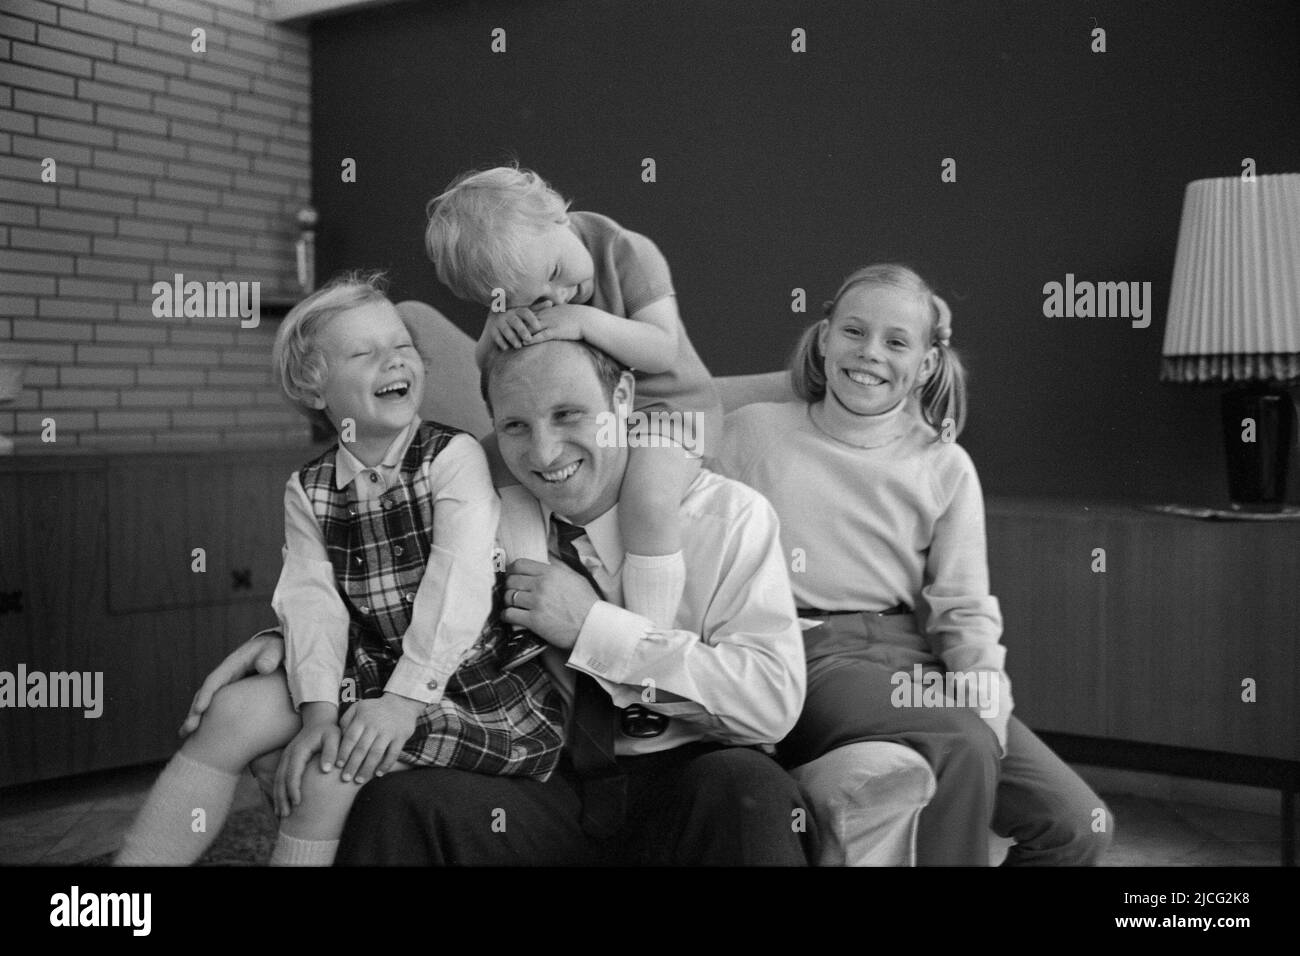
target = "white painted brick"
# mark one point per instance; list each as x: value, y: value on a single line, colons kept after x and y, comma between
x: 24, y: 283
x: 210, y: 336
x: 151, y: 61
x: 38, y: 262
x: 114, y: 268
x: 131, y: 419
x: 148, y: 209
x: 129, y: 248
x: 94, y: 288
x: 201, y: 257
x: 127, y: 163
x: 99, y: 202
x: 203, y: 419
x: 186, y: 110
x: 76, y: 221
x: 204, y: 175
x: 110, y: 355
x: 113, y: 95
x: 216, y: 157
x: 41, y: 375
x: 233, y: 80
x: 52, y: 241
x: 62, y: 152
x: 237, y: 379
x: 186, y: 356
x: 47, y: 330
x: 77, y: 398
x: 43, y: 58
x: 155, y: 398
x: 95, y: 26
x: 132, y: 334
x: 151, y: 229
x: 150, y: 146
x: 186, y: 193
x: 114, y: 182
x: 236, y: 398
x: 69, y: 421
x: 194, y: 132
x: 76, y: 309
x: 87, y: 46
x: 184, y: 89
x: 14, y: 305
x: 40, y: 80
x: 246, y: 357
x: 116, y: 10
x: 17, y: 122
x: 17, y: 28
x: 250, y: 124
x: 73, y: 132
x: 170, y: 376
x: 96, y: 376
x: 129, y: 77
x: 53, y: 105
x: 264, y: 106
x: 27, y: 192
x: 117, y: 442
x: 17, y: 214
x: 33, y: 10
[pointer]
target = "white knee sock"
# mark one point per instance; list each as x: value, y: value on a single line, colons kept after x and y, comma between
x: 653, y: 585
x: 167, y: 831
x: 291, y: 851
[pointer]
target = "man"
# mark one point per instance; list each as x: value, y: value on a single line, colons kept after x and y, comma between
x: 662, y: 724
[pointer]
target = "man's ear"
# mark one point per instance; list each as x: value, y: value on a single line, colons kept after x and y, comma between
x: 625, y: 390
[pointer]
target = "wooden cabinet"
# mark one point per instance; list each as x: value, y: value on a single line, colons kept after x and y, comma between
x: 1163, y: 645
x: 100, y: 550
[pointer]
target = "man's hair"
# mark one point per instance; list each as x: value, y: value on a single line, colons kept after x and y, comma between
x: 608, y: 372
x: 297, y: 359
x: 476, y: 227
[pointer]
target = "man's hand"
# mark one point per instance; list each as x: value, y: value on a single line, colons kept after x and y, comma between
x: 319, y: 734
x: 551, y: 600
x: 560, y: 322
x: 259, y: 655
x: 512, y: 329
x: 374, y: 732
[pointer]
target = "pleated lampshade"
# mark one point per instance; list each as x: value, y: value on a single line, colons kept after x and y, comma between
x: 1234, y: 307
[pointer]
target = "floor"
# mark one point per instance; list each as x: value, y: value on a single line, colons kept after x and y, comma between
x: 64, y: 822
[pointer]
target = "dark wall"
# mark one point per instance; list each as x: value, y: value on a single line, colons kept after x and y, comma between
x: 779, y: 170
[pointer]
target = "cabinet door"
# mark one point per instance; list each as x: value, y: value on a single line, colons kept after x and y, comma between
x: 1053, y: 609
x: 187, y: 532
x: 51, y: 553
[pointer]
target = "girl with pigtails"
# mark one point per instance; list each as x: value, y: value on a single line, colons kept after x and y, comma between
x: 886, y: 510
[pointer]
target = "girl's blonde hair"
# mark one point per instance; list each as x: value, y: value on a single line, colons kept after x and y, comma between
x: 477, y: 226
x: 942, y: 397
x: 296, y: 359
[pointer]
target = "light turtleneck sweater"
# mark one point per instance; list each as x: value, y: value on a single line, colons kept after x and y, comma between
x: 875, y: 511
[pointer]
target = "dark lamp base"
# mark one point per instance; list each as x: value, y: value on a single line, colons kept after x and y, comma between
x: 1258, y: 429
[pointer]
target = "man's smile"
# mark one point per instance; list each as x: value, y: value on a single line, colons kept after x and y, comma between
x: 560, y: 475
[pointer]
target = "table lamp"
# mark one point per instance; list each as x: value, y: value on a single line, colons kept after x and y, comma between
x: 1234, y: 322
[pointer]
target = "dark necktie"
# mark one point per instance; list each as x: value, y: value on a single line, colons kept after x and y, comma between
x: 592, y: 730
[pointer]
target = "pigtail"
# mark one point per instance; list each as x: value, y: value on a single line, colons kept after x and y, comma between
x: 807, y: 366
x: 943, y: 396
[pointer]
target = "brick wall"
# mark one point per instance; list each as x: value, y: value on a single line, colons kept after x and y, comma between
x: 167, y: 161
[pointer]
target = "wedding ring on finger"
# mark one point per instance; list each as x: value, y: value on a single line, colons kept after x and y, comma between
x: 510, y: 597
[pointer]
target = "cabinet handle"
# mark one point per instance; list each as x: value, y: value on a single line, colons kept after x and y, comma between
x: 241, y: 579
x: 13, y: 601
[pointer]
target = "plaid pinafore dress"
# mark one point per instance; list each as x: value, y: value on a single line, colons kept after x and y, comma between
x: 499, y: 713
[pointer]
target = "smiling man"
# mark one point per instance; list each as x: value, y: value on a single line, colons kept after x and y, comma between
x: 662, y: 765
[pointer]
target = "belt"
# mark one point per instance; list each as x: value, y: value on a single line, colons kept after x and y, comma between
x: 888, y: 612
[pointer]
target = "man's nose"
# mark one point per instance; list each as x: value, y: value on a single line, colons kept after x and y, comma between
x: 545, y: 447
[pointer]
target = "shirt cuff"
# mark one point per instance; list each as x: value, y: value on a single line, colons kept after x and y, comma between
x: 418, y: 682
x: 312, y: 685
x: 607, y: 641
